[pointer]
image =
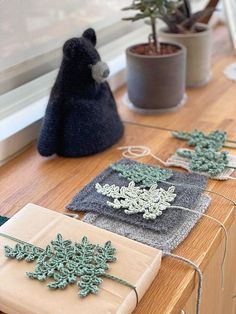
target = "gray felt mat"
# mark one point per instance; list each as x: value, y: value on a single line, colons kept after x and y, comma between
x: 163, y: 241
x: 89, y: 200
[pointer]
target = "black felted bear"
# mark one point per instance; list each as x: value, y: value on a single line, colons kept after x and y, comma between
x: 81, y: 117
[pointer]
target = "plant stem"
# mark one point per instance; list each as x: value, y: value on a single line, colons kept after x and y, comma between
x: 154, y: 35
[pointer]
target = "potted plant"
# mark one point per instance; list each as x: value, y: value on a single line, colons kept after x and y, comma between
x: 183, y: 27
x: 155, y: 71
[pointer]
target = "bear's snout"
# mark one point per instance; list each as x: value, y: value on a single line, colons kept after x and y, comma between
x: 100, y: 71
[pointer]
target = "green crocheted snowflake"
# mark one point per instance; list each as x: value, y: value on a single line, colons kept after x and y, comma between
x: 64, y: 261
x: 214, y: 140
x: 3, y: 219
x: 135, y: 200
x: 141, y: 173
x: 206, y: 160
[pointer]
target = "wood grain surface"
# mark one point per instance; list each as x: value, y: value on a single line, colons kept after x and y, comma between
x: 53, y: 182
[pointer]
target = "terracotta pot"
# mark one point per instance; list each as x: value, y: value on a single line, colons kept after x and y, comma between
x: 156, y: 83
x: 198, y: 53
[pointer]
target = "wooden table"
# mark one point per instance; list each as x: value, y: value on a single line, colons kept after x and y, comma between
x: 53, y: 182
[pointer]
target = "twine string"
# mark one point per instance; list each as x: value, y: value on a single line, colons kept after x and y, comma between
x: 4, y: 235
x: 171, y: 130
x: 139, y: 151
x: 199, y: 272
x: 200, y: 188
x: 123, y: 282
x: 230, y: 167
x: 232, y: 178
x: 223, y: 228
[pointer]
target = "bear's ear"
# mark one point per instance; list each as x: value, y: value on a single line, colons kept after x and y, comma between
x: 70, y: 47
x: 90, y: 35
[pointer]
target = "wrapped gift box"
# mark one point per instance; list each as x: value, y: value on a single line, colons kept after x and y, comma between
x: 136, y: 263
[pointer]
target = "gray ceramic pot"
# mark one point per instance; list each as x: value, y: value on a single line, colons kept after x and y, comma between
x: 156, y: 83
x: 198, y: 53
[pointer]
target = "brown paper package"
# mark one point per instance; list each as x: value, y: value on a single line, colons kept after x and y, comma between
x: 136, y: 263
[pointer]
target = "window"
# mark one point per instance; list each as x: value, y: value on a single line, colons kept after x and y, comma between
x: 32, y: 33
x: 31, y: 37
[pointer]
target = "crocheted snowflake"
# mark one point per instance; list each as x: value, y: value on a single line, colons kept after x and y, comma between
x: 135, y: 200
x: 64, y: 261
x: 3, y: 219
x: 214, y: 140
x: 141, y: 173
x: 206, y: 160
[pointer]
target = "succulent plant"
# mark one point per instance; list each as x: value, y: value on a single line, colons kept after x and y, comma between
x: 152, y: 9
x: 176, y: 14
x: 183, y: 20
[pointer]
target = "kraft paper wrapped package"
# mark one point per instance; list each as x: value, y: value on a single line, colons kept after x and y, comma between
x: 136, y: 263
